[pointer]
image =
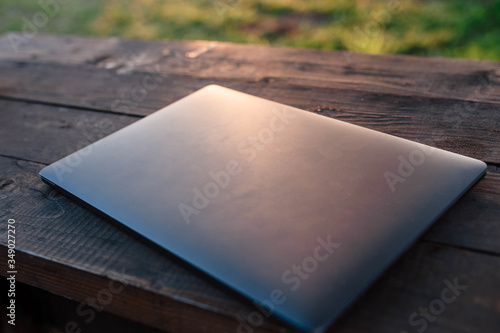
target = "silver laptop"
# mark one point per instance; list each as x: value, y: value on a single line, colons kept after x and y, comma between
x: 299, y: 212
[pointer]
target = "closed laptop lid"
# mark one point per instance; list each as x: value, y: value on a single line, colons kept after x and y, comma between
x: 297, y: 211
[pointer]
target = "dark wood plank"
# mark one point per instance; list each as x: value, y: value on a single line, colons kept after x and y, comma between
x: 68, y: 250
x: 40, y: 311
x: 469, y: 128
x: 45, y: 134
x: 415, y: 76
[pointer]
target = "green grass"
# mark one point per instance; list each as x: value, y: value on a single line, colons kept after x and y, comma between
x: 466, y: 29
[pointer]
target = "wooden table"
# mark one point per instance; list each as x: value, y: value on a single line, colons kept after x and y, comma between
x: 60, y: 93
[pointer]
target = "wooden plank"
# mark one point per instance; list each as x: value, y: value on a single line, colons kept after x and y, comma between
x: 390, y: 74
x: 68, y: 250
x: 386, y: 306
x: 469, y: 128
x: 40, y: 311
x: 45, y: 134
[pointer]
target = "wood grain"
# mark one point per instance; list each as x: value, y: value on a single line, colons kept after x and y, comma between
x: 45, y: 134
x: 60, y: 93
x: 469, y: 128
x: 392, y: 74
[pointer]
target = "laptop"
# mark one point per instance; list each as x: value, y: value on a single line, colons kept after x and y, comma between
x: 298, y: 212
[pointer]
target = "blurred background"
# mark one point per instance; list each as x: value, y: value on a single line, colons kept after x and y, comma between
x: 466, y: 29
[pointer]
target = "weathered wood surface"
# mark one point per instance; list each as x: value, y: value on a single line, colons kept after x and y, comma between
x: 403, y: 75
x: 451, y: 104
x: 60, y: 93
